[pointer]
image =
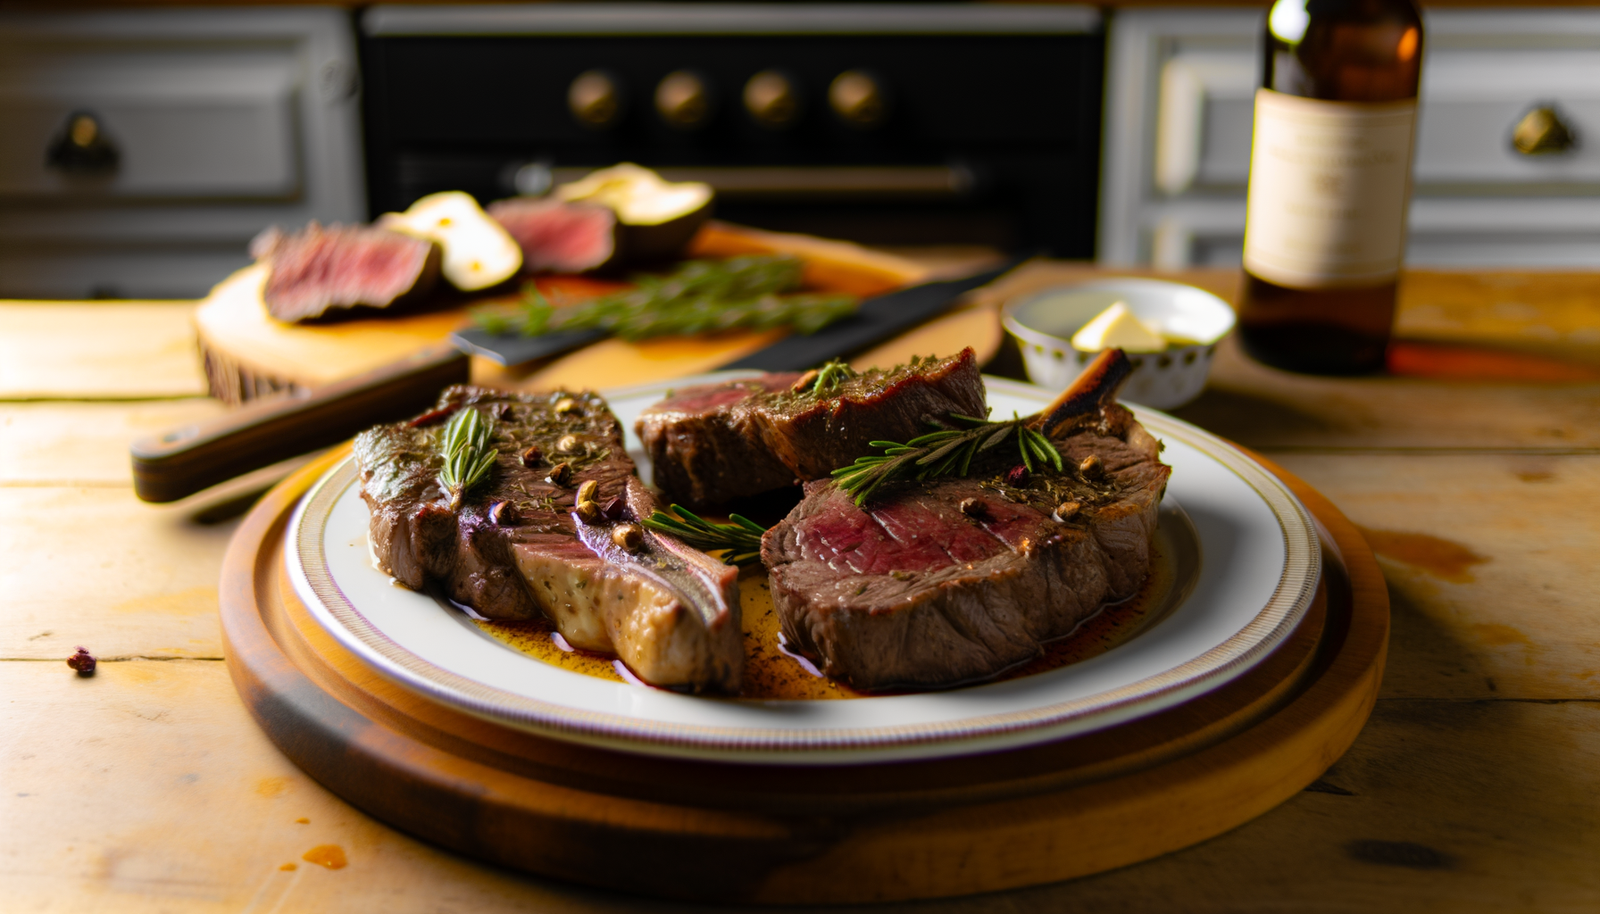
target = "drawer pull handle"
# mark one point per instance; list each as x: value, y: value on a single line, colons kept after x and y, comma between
x: 1543, y: 132
x: 82, y: 146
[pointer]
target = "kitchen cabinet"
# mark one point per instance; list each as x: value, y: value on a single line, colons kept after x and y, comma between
x: 142, y: 150
x: 1180, y: 88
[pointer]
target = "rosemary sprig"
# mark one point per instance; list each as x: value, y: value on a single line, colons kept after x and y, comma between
x: 700, y: 296
x: 741, y: 540
x: 947, y: 452
x: 464, y: 444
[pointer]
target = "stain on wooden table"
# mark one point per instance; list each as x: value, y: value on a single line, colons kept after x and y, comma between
x: 1473, y: 788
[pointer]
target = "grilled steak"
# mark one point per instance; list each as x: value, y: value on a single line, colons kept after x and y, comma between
x: 518, y: 546
x: 714, y: 443
x: 318, y: 269
x: 952, y: 580
x: 557, y: 236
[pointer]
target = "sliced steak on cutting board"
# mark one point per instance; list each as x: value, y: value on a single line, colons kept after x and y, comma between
x: 713, y: 443
x: 517, y: 549
x: 913, y: 591
x: 317, y: 270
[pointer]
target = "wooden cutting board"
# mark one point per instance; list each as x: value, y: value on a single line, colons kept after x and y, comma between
x: 248, y: 354
x: 799, y: 835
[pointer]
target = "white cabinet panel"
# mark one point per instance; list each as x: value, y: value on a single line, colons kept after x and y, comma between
x: 1204, y: 111
x: 223, y: 121
x: 1180, y: 89
x: 1473, y: 97
x: 183, y: 124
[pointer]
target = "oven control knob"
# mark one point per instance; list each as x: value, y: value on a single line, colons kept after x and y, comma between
x: 595, y: 99
x: 684, y: 100
x: 859, y: 99
x: 772, y: 99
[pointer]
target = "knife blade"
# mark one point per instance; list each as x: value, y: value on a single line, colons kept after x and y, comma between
x: 877, y: 319
x: 510, y: 349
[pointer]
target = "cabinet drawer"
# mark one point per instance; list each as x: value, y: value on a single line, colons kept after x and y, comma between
x: 1473, y: 96
x: 219, y: 122
x: 178, y: 123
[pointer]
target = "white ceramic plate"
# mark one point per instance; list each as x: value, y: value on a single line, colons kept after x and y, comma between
x: 1258, y: 568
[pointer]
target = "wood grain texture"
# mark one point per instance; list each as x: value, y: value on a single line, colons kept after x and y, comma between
x: 149, y: 789
x: 1490, y: 560
x: 910, y: 830
x: 77, y: 443
x: 110, y: 351
x: 97, y: 567
x: 1275, y: 410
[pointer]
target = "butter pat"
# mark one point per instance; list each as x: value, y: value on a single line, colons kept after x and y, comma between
x: 1117, y: 328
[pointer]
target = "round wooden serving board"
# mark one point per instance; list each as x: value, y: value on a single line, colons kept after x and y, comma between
x: 725, y: 832
x: 248, y: 354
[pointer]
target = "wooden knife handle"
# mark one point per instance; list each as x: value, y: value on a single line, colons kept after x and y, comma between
x: 188, y: 459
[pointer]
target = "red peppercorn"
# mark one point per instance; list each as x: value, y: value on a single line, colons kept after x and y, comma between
x: 1017, y: 476
x: 82, y: 661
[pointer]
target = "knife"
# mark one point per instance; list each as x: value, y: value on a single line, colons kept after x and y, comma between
x: 186, y: 460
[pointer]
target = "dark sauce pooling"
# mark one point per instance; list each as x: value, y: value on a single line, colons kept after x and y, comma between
x: 771, y: 674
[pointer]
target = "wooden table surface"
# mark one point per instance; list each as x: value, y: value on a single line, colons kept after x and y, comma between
x: 1475, y: 786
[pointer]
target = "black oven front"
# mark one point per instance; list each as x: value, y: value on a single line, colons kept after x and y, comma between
x: 889, y: 124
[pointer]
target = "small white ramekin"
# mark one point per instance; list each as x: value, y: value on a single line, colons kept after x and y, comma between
x: 1044, y: 322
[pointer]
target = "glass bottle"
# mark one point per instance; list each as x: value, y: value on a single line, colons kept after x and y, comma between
x: 1330, y: 183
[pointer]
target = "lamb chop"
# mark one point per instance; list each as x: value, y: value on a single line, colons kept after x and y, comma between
x: 951, y: 580
x: 552, y: 529
x: 714, y: 443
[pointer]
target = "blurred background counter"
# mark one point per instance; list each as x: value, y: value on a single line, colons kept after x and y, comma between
x: 145, y: 145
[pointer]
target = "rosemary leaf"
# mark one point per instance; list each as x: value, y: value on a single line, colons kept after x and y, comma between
x: 831, y: 375
x: 946, y: 452
x: 941, y: 452
x: 996, y: 438
x: 699, y: 296
x: 740, y: 541
x: 464, y: 445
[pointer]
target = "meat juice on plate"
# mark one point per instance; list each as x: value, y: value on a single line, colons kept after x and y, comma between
x: 772, y: 673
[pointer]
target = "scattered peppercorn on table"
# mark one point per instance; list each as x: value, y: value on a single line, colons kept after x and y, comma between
x: 1475, y: 477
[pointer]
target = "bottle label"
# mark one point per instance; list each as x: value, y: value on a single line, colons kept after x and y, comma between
x: 1329, y: 184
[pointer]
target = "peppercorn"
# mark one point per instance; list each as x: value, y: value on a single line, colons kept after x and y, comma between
x: 587, y: 490
x: 628, y: 536
x: 1017, y: 476
x: 503, y: 514
x: 532, y: 456
x: 560, y: 474
x: 1092, y: 467
x: 83, y: 662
